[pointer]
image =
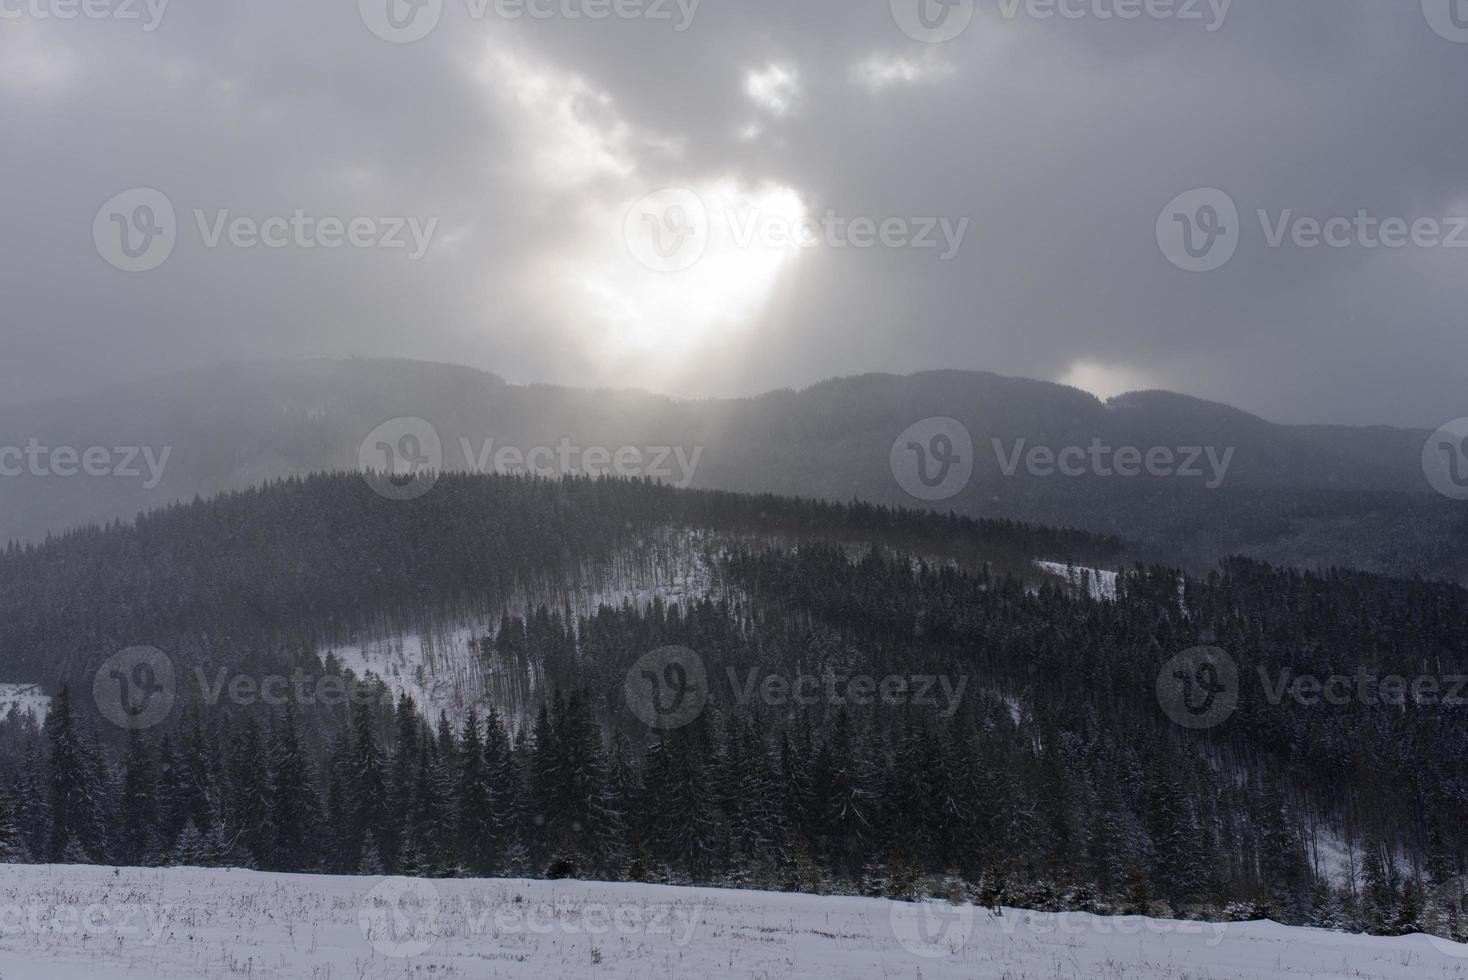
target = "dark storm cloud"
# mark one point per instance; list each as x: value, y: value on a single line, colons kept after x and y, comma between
x: 1060, y: 139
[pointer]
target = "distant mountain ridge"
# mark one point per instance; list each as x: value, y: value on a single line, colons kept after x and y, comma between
x: 1307, y: 495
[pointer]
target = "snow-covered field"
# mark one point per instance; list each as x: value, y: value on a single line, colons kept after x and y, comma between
x: 104, y: 923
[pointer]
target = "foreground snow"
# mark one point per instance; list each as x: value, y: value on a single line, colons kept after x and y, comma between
x: 104, y: 923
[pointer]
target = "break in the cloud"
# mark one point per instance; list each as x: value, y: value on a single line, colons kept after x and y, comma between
x: 818, y: 140
x: 774, y: 88
x: 880, y: 71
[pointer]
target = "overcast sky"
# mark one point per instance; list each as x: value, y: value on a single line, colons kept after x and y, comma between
x: 1038, y: 156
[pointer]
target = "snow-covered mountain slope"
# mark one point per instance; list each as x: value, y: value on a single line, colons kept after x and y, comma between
x: 109, y: 924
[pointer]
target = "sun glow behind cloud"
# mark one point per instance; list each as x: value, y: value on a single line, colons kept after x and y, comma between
x: 1104, y: 380
x: 673, y: 315
x: 577, y: 160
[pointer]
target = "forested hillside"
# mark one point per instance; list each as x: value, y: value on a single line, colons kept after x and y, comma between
x: 1021, y: 753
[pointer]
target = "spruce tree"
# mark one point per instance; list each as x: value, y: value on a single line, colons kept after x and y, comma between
x: 75, y: 808
x: 476, y: 836
x: 365, y: 783
x: 294, y: 805
x: 138, y: 842
x: 248, y: 826
x: 32, y: 801
x: 13, y: 849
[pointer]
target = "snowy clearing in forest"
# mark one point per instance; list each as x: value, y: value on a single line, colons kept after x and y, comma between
x: 438, y: 661
x: 106, y: 924
x: 1101, y: 583
x: 24, y: 699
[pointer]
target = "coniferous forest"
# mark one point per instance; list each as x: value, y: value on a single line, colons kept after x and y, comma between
x: 1042, y: 772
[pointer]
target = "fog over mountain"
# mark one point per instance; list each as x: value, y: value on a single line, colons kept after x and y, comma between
x: 1235, y: 483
